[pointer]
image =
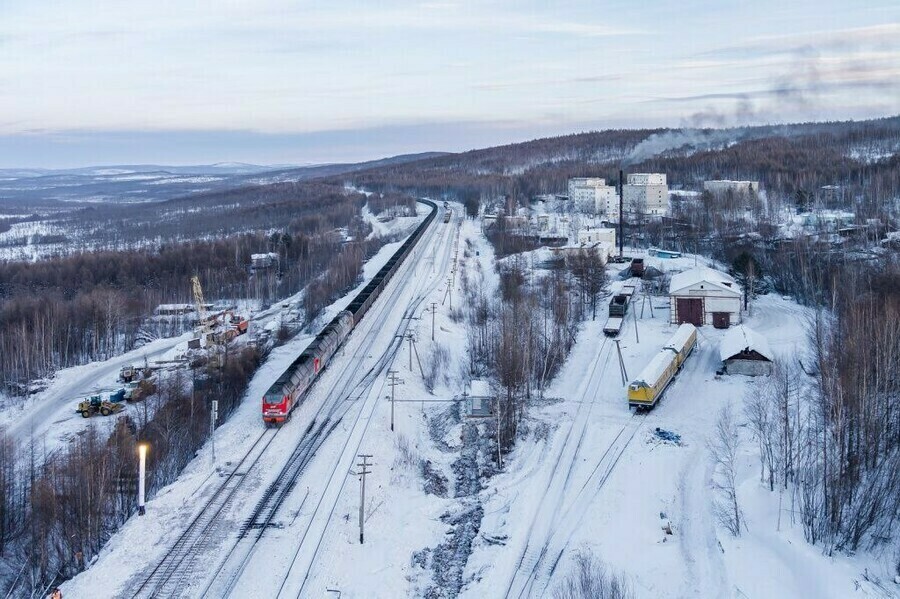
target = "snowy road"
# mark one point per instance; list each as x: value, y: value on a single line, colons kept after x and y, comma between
x: 50, y: 415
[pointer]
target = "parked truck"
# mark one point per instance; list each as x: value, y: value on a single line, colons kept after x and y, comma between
x: 127, y: 373
x: 637, y: 267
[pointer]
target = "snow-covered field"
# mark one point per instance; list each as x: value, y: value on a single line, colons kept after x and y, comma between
x: 588, y: 474
x: 603, y: 482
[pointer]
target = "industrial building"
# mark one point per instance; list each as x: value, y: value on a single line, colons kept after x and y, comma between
x: 744, y: 351
x: 646, y: 194
x: 721, y: 186
x: 594, y: 196
x: 705, y: 296
x: 590, y: 236
x: 262, y: 261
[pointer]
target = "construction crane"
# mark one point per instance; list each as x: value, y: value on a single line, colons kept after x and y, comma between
x: 201, y: 308
x: 208, y: 340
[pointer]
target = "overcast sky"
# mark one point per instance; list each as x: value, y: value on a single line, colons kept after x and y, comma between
x: 292, y: 81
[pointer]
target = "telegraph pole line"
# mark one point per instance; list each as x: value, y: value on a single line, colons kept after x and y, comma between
x: 393, y: 381
x: 363, y: 470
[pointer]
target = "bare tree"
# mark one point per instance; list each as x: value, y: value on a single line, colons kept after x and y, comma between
x: 591, y: 579
x: 723, y: 448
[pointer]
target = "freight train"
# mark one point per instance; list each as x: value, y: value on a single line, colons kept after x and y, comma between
x: 291, y: 387
x: 646, y: 390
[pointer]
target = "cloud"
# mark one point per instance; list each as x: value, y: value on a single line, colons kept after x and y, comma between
x: 883, y: 35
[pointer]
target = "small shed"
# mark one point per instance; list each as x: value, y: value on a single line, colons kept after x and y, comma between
x: 744, y: 351
x: 263, y: 261
x: 705, y: 296
x: 479, y: 401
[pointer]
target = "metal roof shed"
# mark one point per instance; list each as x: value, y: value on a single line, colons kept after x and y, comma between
x: 744, y: 351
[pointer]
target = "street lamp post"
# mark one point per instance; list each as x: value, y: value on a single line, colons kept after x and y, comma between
x: 142, y: 474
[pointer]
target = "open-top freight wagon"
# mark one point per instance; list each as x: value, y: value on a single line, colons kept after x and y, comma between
x: 289, y: 390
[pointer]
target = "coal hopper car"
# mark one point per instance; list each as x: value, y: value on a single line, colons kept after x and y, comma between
x: 289, y: 390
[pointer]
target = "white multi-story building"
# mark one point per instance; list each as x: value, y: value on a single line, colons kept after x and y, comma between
x: 646, y: 194
x: 593, y: 195
x: 720, y: 186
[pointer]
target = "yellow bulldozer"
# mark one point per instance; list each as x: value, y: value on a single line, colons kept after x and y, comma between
x: 94, y: 404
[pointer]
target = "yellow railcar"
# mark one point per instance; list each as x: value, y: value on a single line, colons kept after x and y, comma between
x: 682, y: 342
x: 648, y: 387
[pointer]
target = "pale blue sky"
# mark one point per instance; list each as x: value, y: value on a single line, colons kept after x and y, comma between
x: 278, y: 81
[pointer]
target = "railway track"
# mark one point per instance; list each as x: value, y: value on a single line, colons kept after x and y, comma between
x: 337, y: 479
x: 554, y: 522
x: 272, y: 500
x: 338, y: 404
x: 172, y: 574
x: 539, y: 572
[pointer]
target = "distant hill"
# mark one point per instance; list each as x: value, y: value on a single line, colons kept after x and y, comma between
x: 45, y: 188
x: 862, y: 157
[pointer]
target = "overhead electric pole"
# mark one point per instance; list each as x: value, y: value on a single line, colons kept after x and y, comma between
x: 621, y: 364
x: 213, y: 417
x: 363, y: 470
x: 433, y: 312
x: 393, y: 381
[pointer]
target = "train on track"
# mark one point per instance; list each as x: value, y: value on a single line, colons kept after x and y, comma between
x: 291, y: 387
x: 647, y: 389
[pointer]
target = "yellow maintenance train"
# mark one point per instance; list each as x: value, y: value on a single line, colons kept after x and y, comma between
x: 647, y: 389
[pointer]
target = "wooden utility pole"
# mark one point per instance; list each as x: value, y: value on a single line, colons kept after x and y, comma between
x: 637, y: 338
x: 409, y: 339
x: 449, y: 292
x: 393, y: 381
x: 363, y: 467
x: 213, y: 417
x: 621, y: 364
x: 412, y: 340
x: 433, y: 312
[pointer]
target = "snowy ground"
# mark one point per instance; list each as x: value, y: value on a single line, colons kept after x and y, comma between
x: 143, y: 541
x: 48, y: 418
x: 589, y: 475
x: 601, y: 481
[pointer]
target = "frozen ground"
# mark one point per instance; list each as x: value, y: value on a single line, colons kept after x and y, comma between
x: 143, y: 541
x: 586, y: 486
x: 589, y: 475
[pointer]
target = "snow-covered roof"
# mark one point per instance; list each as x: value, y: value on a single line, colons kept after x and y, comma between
x: 479, y: 388
x: 703, y: 274
x: 741, y: 338
x: 681, y: 336
x: 654, y: 369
